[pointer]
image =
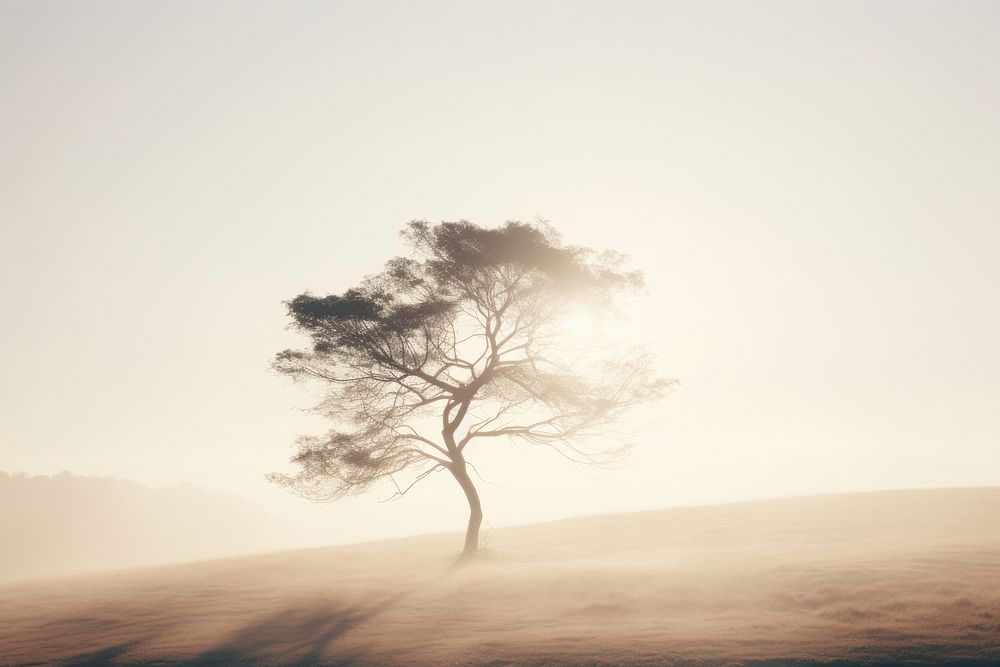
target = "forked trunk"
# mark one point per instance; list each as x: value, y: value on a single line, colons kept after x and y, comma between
x: 475, y: 512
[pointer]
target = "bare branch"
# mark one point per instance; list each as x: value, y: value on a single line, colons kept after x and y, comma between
x: 464, y: 333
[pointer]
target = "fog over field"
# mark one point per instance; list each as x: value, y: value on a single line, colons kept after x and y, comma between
x: 66, y: 523
x: 889, y: 578
x: 684, y: 311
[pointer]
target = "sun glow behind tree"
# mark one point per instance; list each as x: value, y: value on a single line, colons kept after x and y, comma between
x: 461, y: 343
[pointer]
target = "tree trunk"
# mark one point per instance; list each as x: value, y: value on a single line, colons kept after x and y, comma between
x: 475, y: 511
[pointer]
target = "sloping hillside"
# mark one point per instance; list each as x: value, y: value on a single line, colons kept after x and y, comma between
x: 882, y: 578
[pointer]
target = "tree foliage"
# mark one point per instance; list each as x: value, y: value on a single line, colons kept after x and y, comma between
x: 458, y: 343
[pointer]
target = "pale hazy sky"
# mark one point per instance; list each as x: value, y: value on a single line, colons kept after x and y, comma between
x: 813, y: 190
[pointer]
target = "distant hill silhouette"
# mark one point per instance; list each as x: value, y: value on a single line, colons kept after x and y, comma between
x: 68, y: 523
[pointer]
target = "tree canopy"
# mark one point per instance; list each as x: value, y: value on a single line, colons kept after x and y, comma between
x: 456, y: 343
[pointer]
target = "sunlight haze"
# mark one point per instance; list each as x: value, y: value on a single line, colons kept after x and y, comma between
x: 810, y: 191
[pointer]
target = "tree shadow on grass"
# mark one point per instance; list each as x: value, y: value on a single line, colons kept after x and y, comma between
x: 106, y: 656
x: 296, y: 636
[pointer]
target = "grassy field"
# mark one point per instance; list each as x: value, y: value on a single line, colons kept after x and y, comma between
x: 903, y: 577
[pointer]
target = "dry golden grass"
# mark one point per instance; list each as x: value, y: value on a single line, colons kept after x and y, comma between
x: 904, y: 577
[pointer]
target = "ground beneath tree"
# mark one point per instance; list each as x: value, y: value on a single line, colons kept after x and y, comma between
x: 885, y: 578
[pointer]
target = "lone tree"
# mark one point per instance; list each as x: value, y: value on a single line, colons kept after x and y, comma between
x: 459, y: 342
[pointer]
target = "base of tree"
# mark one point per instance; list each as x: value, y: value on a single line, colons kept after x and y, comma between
x: 464, y: 559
